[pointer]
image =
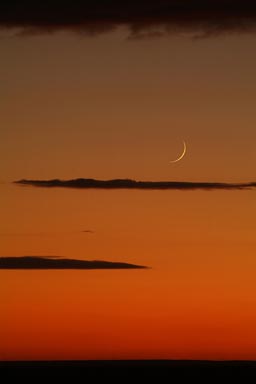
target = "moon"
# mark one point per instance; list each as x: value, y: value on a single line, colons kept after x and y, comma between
x: 182, y: 155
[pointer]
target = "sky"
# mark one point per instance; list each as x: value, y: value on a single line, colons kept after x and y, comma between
x: 111, y: 91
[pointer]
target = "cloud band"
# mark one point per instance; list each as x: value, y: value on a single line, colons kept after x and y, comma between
x: 162, y: 16
x: 133, y: 184
x: 34, y: 262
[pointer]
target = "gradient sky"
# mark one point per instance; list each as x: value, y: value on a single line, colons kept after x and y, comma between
x: 104, y: 107
x: 108, y: 107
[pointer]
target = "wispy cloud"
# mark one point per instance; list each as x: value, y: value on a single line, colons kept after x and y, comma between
x: 47, y: 262
x: 45, y: 234
x: 132, y: 184
x: 150, y: 17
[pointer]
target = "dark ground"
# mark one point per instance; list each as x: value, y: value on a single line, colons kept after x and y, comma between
x: 164, y: 370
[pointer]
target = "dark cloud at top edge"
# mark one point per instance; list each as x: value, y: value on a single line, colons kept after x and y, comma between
x: 132, y: 184
x: 152, y: 17
x: 48, y: 262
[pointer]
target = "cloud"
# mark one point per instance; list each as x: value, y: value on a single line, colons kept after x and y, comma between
x: 132, y: 184
x: 42, y: 234
x: 55, y: 262
x: 143, y: 17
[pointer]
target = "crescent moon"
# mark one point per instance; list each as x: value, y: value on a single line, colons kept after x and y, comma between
x: 182, y: 155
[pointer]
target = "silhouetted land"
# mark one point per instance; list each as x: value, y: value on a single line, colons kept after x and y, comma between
x: 38, y: 262
x: 124, y: 369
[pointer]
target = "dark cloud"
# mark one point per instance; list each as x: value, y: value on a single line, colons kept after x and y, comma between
x: 35, y: 262
x: 132, y: 184
x: 152, y: 17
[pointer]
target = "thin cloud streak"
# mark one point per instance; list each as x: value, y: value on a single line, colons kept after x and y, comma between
x: 45, y: 234
x: 133, y: 184
x: 143, y: 17
x: 56, y: 262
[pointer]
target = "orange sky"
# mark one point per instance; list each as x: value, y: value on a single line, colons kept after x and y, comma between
x: 197, y: 300
x: 107, y: 107
x: 111, y: 108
